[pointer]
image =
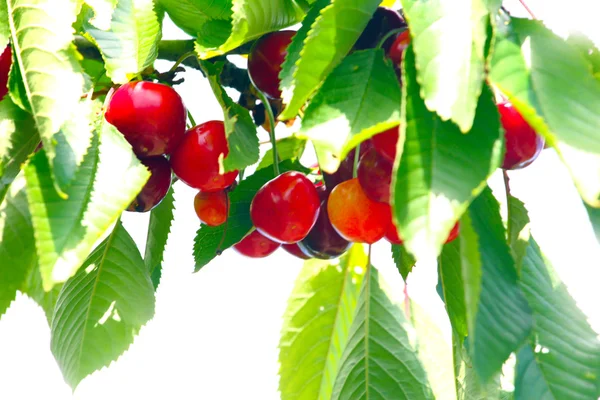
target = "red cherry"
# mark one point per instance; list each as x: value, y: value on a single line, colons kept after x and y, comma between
x: 151, y: 116
x: 265, y: 59
x: 397, y: 49
x: 5, y: 63
x: 386, y: 142
x: 375, y: 176
x: 346, y: 169
x: 356, y: 217
x: 381, y: 23
x: 212, y: 207
x: 453, y: 233
x: 286, y: 208
x: 157, y: 186
x: 523, y: 144
x: 256, y: 245
x: 196, y: 160
x: 295, y: 250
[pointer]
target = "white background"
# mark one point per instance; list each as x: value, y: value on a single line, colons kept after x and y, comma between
x: 215, y: 333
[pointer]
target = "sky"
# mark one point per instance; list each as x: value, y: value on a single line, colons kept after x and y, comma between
x: 215, y: 333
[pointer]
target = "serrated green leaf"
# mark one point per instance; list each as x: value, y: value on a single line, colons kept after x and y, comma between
x: 594, y: 215
x: 208, y: 238
x: 403, y: 260
x: 17, y: 245
x: 195, y: 16
x: 449, y: 40
x: 239, y: 125
x: 440, y: 170
x: 588, y: 49
x: 34, y: 289
x: 101, y: 309
x: 318, y: 317
x: 518, y: 229
x: 328, y: 34
x: 46, y: 80
x: 502, y: 307
x: 380, y: 359
x: 339, y: 117
x: 4, y: 26
x: 103, y: 12
x: 66, y: 230
x: 468, y: 386
x: 472, y: 269
x: 130, y: 45
x: 531, y: 65
x: 289, y: 148
x: 159, y: 228
x: 565, y: 363
x: 453, y: 287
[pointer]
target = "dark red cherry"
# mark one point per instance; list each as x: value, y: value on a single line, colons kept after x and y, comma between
x: 523, y: 144
x: 5, y: 63
x: 397, y: 48
x: 375, y: 176
x: 256, y: 245
x: 346, y: 168
x: 196, y: 160
x: 150, y: 115
x: 157, y: 186
x: 295, y: 250
x: 265, y: 59
x: 386, y: 142
x: 356, y: 217
x: 286, y: 208
x: 381, y: 23
x: 212, y: 207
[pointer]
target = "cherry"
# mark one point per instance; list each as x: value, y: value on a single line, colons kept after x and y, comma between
x: 196, y: 160
x: 286, y: 208
x: 256, y: 245
x: 157, y: 186
x: 265, y: 59
x: 212, y: 207
x: 453, y: 233
x: 523, y: 144
x: 150, y: 115
x: 295, y: 250
x: 375, y: 176
x: 383, y: 21
x: 346, y: 169
x: 5, y: 64
x: 356, y: 217
x: 396, y: 50
x: 386, y: 142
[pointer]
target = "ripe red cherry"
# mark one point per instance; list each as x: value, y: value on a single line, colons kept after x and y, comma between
x: 523, y: 144
x: 286, y: 208
x: 212, y: 207
x: 381, y: 23
x: 256, y: 245
x: 150, y: 115
x: 397, y: 49
x: 157, y: 186
x: 196, y: 160
x: 375, y: 176
x: 346, y: 168
x: 5, y: 63
x: 356, y: 217
x: 265, y: 59
x: 295, y: 250
x: 386, y: 142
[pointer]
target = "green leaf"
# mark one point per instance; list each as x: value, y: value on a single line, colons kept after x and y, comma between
x: 531, y: 65
x: 449, y: 40
x: 588, y: 49
x: 317, y: 323
x: 33, y: 287
x: 66, y: 230
x: 453, y: 287
x: 380, y: 360
x: 130, y: 45
x: 18, y: 139
x: 565, y: 362
x: 208, y: 238
x: 101, y: 309
x: 239, y: 125
x: 289, y: 148
x: 502, y: 307
x: 403, y: 260
x: 518, y: 229
x: 195, y: 16
x: 17, y: 245
x: 472, y: 269
x: 594, y: 214
x: 468, y: 386
x: 337, y: 120
x: 46, y: 80
x: 440, y: 170
x: 328, y: 34
x: 102, y: 12
x: 4, y: 26
x: 250, y: 19
x: 161, y: 219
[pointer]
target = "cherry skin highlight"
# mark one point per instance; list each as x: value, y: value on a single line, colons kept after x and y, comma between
x: 157, y: 186
x: 5, y: 63
x: 386, y: 142
x: 523, y: 144
x: 256, y: 245
x: 212, y: 207
x: 295, y: 250
x: 196, y: 160
x: 286, y: 208
x: 397, y: 48
x: 150, y: 115
x: 381, y: 23
x: 354, y: 216
x: 375, y: 176
x: 265, y: 59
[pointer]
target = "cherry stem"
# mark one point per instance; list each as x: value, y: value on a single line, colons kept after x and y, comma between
x: 180, y: 61
x: 389, y: 35
x: 269, y: 111
x: 507, y: 189
x: 191, y: 118
x: 526, y: 7
x: 356, y: 157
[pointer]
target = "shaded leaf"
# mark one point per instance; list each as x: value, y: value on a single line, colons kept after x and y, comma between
x: 594, y: 215
x: 194, y: 16
x: 403, y: 260
x: 453, y: 287
x: 468, y: 386
x: 161, y: 219
x: 518, y: 229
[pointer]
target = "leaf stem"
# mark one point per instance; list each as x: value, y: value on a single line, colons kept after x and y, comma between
x: 220, y: 246
x: 526, y: 7
x: 180, y: 60
x: 355, y: 166
x: 389, y: 35
x: 191, y: 118
x: 507, y: 189
x: 271, y: 117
